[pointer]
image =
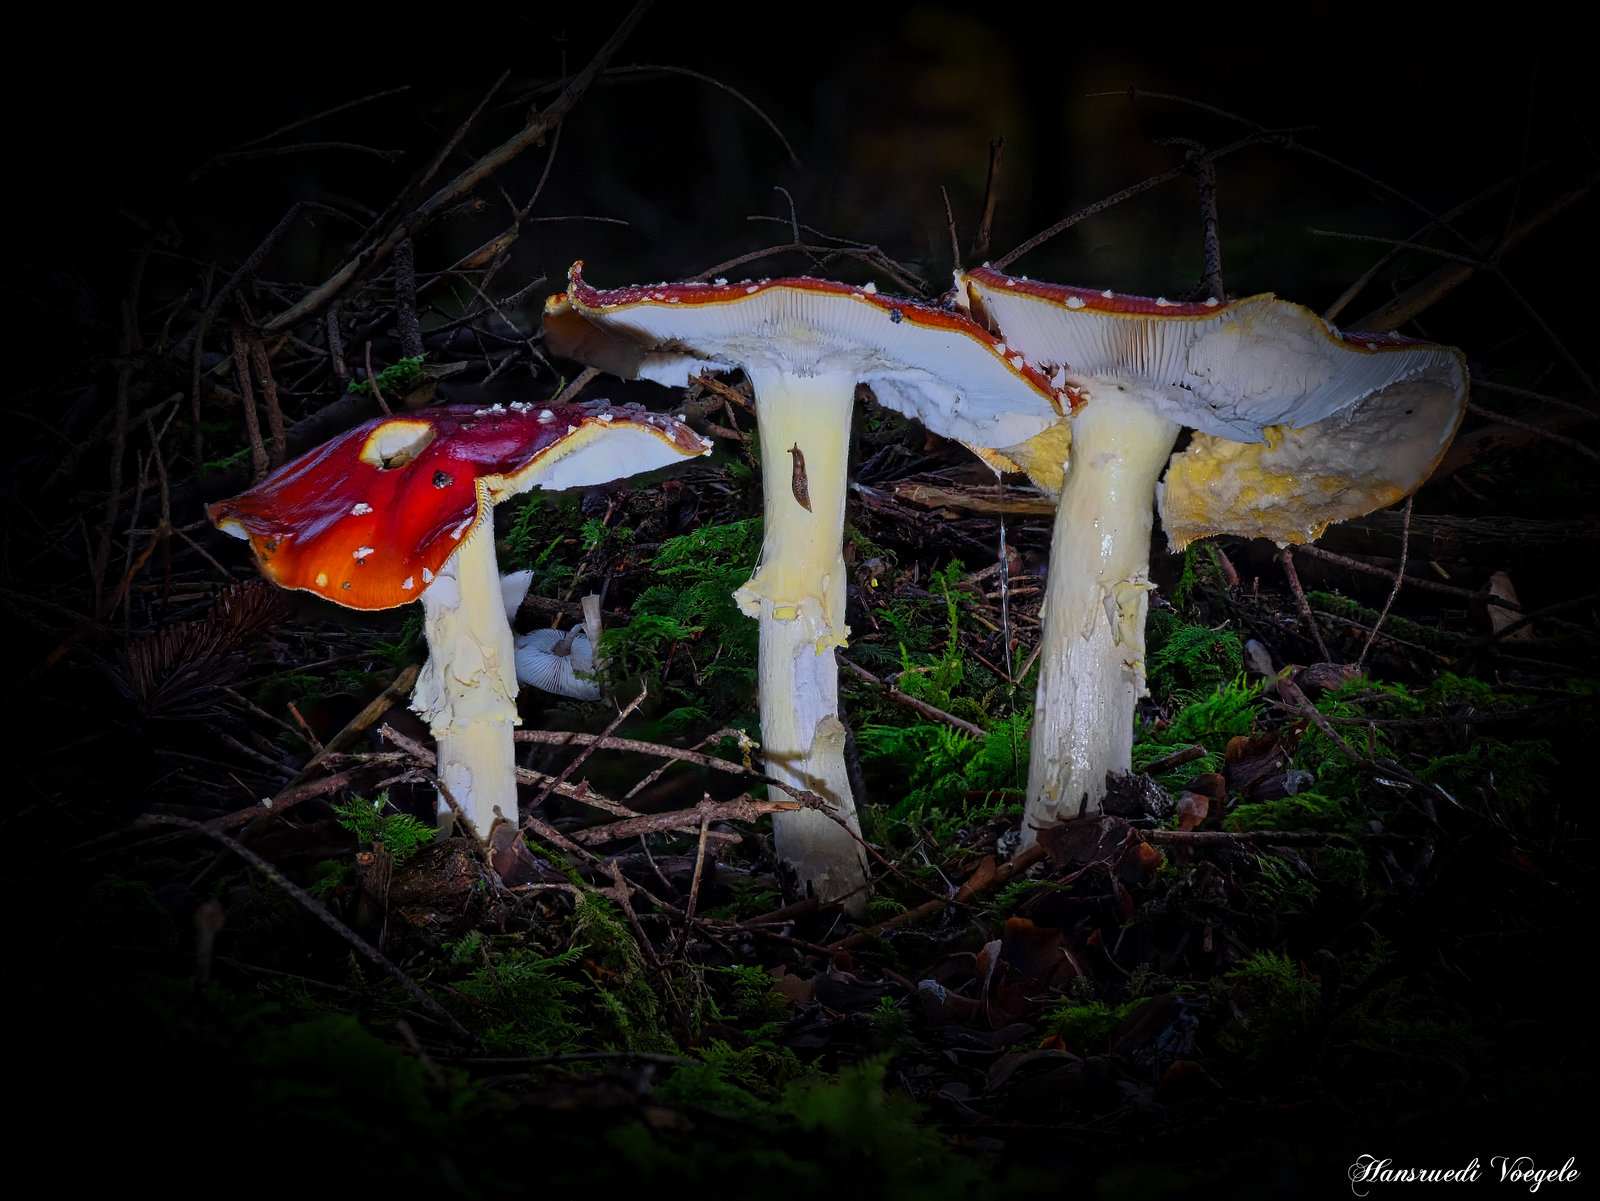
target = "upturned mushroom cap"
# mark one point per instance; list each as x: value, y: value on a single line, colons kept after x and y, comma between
x: 562, y: 663
x: 1298, y: 425
x: 927, y: 362
x: 368, y: 519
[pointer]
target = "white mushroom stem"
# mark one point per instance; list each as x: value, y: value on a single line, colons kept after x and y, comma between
x: 798, y: 595
x: 1091, y: 667
x: 467, y: 689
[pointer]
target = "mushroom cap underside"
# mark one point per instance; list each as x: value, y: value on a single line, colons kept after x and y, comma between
x: 1292, y: 485
x: 1230, y: 370
x: 556, y: 662
x: 928, y: 362
x: 368, y: 519
x: 1298, y: 425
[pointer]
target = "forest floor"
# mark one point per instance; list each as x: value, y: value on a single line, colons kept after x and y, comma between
x: 1343, y: 908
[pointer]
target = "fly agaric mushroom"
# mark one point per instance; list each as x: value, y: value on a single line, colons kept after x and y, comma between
x: 1297, y: 426
x: 805, y: 344
x: 399, y: 509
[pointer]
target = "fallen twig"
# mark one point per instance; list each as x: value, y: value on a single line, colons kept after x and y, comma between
x: 983, y: 878
x: 1399, y: 578
x: 740, y: 809
x: 911, y: 702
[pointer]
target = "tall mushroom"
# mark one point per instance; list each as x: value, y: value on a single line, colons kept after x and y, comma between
x: 805, y: 344
x: 399, y: 509
x: 1296, y: 426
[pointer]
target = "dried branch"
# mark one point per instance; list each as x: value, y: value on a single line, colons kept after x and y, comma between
x: 1399, y: 578
x: 537, y: 127
x: 740, y: 809
x: 915, y: 703
x: 1286, y: 557
x: 991, y: 197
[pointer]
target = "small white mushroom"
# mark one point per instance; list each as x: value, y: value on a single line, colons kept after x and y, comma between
x: 562, y: 663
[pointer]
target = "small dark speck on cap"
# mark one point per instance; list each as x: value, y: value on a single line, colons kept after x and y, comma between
x: 896, y: 316
x: 345, y: 585
x: 442, y: 479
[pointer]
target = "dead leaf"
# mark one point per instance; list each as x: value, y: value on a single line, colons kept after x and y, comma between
x: 1140, y: 864
x: 795, y: 990
x: 1249, y: 759
x: 1083, y: 840
x: 1325, y: 677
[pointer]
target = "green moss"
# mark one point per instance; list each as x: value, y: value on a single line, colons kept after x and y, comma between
x: 1183, y: 659
x: 401, y: 834
x: 1085, y: 1025
x: 394, y: 381
x: 525, y: 998
x: 696, y: 609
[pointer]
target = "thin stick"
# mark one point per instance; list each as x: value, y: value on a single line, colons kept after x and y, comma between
x: 538, y: 126
x: 581, y: 793
x: 336, y: 343
x: 980, y: 881
x: 1399, y: 578
x: 716, y: 83
x: 740, y: 809
x: 991, y: 197
x: 269, y: 394
x: 699, y: 863
x: 1584, y: 410
x: 361, y: 722
x: 252, y: 423
x: 950, y: 220
x: 608, y: 743
x: 1178, y: 758
x: 1359, y: 285
x: 297, y: 124
x: 911, y: 702
x: 580, y: 1057
x: 197, y: 363
x: 1127, y: 193
x: 1427, y: 291
x: 657, y: 773
x: 288, y: 798
x: 578, y: 384
x: 434, y: 1009
x: 584, y: 754
x: 1205, y: 182
x: 1536, y: 430
x: 405, y: 301
x: 794, y: 219
x: 1286, y: 557
x: 372, y: 379
x: 102, y: 558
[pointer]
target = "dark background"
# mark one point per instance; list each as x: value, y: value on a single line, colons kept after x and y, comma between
x: 883, y: 106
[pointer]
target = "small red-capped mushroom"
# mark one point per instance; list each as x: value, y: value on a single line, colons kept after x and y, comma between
x: 398, y: 509
x: 1296, y: 425
x: 805, y: 344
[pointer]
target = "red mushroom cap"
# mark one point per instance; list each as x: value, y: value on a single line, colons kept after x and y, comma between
x: 368, y: 519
